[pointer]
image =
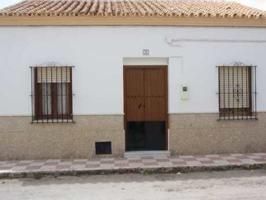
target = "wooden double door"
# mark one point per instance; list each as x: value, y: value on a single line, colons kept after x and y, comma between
x: 145, y: 90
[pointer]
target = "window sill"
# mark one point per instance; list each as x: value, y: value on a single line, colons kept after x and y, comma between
x: 53, y: 121
x: 237, y: 118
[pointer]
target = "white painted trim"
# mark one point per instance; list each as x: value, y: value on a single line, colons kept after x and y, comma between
x: 145, y: 61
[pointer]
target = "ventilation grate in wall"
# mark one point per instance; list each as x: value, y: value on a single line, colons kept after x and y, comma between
x: 103, y: 148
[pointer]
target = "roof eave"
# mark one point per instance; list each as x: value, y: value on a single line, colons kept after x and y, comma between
x: 130, y: 21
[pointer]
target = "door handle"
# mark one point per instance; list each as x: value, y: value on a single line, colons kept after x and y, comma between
x: 140, y: 105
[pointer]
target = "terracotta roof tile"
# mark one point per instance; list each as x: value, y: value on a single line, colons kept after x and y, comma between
x: 132, y: 8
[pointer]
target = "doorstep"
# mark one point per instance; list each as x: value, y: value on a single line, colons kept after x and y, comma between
x: 143, y: 154
x: 135, y: 164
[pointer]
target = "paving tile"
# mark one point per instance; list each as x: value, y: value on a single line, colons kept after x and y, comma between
x: 135, y: 161
x: 247, y: 161
x: 203, y: 159
x: 162, y: 159
x: 259, y: 160
x: 212, y: 156
x: 50, y: 164
x: 187, y: 157
x: 92, y: 165
x: 193, y: 163
x: 236, y: 154
x: 150, y: 163
x: 32, y: 168
x: 107, y: 161
x: 259, y: 154
x: 233, y: 160
x: 48, y: 168
x: 165, y: 164
x: 121, y: 164
x: 78, y: 167
x: 57, y: 165
x: 19, y: 169
x: 177, y: 163
x: 221, y: 162
x: 207, y: 162
x: 61, y: 166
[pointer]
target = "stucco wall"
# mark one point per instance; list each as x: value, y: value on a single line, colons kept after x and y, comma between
x: 19, y: 139
x: 204, y: 134
x: 188, y: 134
x: 98, y: 52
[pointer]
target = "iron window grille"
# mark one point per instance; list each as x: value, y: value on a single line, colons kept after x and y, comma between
x: 52, y: 94
x: 237, y: 92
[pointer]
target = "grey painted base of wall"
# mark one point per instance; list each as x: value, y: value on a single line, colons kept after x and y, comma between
x: 188, y: 134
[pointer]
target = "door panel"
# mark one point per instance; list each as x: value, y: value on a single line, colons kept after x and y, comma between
x: 155, y: 84
x: 155, y: 109
x: 134, y: 81
x: 155, y: 94
x: 134, y: 91
x: 135, y: 109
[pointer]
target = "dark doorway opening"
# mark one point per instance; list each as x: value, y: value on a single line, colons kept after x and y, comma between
x: 145, y: 136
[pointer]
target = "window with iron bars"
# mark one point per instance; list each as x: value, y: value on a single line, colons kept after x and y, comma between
x: 237, y: 92
x: 52, y: 94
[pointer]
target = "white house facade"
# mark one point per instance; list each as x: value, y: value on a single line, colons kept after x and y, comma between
x: 85, y: 90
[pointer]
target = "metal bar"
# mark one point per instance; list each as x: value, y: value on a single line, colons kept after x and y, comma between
x: 47, y: 94
x: 229, y: 96
x: 56, y: 82
x: 255, y: 92
x: 61, y: 94
x: 32, y: 96
x: 233, y: 85
x: 238, y: 92
x: 243, y: 93
x: 71, y: 97
x: 65, y: 95
x: 224, y: 107
x: 219, y: 90
x: 51, y: 95
x: 41, y: 96
x: 36, y: 104
x: 247, y: 89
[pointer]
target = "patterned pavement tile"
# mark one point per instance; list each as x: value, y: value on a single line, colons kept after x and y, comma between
x: 18, y: 169
x: 221, y: 162
x: 247, y: 161
x: 32, y: 168
x: 121, y: 164
x: 48, y: 168
x: 131, y: 163
x: 177, y: 164
x: 207, y: 162
x: 92, y: 166
x: 62, y: 166
x: 187, y: 157
x: 260, y: 160
x: 162, y: 159
x: 193, y: 163
x: 135, y: 161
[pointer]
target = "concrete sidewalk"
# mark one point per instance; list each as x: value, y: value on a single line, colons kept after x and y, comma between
x: 135, y: 164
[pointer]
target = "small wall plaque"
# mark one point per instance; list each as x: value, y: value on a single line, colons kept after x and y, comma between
x: 145, y: 52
